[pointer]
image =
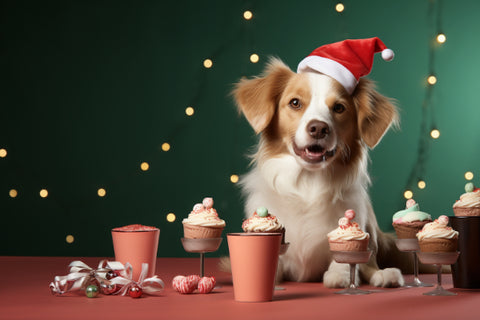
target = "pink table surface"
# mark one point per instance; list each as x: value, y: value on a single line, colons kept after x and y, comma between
x: 24, y: 294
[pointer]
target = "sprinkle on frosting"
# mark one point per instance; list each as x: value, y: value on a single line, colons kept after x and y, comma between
x: 135, y: 227
x: 347, y: 229
x: 411, y: 213
x: 203, y: 214
x: 437, y: 229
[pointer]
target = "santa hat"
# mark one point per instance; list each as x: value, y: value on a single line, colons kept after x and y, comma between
x: 346, y: 61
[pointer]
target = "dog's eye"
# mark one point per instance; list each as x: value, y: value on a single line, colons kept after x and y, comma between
x: 338, y: 108
x: 295, y: 103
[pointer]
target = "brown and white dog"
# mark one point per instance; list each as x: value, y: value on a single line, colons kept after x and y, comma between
x: 311, y: 166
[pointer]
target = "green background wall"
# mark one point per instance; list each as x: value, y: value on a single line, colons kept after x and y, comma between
x: 91, y: 89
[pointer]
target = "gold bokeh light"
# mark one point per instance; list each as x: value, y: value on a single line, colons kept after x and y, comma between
x: 144, y: 166
x: 339, y: 7
x: 3, y: 153
x: 69, y: 238
x: 189, y: 111
x: 435, y: 133
x: 248, y: 15
x: 431, y: 80
x: 171, y: 217
x: 421, y: 184
x: 469, y: 175
x: 254, y: 58
x: 166, y: 146
x: 441, y: 38
x: 101, y: 192
x: 234, y: 178
x: 207, y: 63
x: 13, y: 193
x: 408, y: 194
x: 44, y: 193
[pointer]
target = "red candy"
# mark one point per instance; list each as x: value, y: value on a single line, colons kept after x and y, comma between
x: 183, y: 285
x: 206, y: 284
x: 191, y: 283
x: 194, y: 278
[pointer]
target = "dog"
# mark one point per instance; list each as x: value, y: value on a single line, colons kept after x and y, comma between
x: 310, y: 166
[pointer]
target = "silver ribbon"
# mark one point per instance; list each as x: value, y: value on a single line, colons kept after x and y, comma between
x: 153, y: 285
x: 80, y: 276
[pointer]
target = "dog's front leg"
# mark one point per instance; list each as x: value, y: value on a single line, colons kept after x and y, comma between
x: 338, y: 275
x: 388, y: 277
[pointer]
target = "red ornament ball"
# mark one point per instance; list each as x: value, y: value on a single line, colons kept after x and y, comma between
x: 135, y: 292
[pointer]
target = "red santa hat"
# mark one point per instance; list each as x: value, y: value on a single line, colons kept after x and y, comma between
x: 346, y: 61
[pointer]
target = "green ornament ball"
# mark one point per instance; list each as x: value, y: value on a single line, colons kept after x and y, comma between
x: 262, y: 212
x: 469, y: 187
x: 91, y: 291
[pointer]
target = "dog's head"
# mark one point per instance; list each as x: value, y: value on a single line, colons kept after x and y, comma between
x: 311, y: 116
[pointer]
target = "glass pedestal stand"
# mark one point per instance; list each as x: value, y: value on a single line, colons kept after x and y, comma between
x: 352, y: 258
x: 201, y: 246
x: 438, y: 259
x: 411, y: 245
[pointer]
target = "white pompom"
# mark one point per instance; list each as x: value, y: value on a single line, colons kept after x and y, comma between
x: 387, y: 54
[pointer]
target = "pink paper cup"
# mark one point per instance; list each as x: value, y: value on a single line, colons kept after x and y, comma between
x: 136, y: 247
x: 254, y: 258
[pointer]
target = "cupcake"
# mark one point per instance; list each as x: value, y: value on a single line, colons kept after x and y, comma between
x: 408, y: 222
x: 203, y: 222
x: 437, y: 236
x: 348, y: 236
x: 469, y: 203
x: 263, y: 221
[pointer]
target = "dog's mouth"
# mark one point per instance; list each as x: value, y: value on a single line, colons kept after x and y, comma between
x: 313, y: 153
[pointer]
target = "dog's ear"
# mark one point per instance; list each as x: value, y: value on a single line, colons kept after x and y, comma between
x: 257, y: 98
x: 376, y: 113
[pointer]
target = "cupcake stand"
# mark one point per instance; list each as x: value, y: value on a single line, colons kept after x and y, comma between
x: 411, y: 245
x: 201, y: 246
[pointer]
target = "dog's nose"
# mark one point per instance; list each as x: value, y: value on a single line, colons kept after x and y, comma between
x: 318, y: 129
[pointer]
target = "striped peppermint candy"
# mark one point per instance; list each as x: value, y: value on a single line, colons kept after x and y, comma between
x: 206, y: 284
x: 183, y: 285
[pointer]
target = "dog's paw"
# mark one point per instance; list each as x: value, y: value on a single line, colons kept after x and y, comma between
x: 336, y: 277
x: 389, y: 277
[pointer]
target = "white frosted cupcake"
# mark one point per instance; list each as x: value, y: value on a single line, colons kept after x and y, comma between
x: 203, y: 222
x: 348, y: 236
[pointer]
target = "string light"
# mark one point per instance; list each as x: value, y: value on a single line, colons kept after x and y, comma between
x: 435, y: 133
x: 3, y: 153
x: 13, y: 193
x: 234, y: 178
x: 408, y: 194
x: 189, y: 111
x: 43, y: 193
x: 69, y: 238
x: 469, y: 175
x: 207, y: 63
x: 431, y: 80
x: 144, y: 166
x: 441, y: 38
x: 339, y: 7
x: 254, y: 58
x: 171, y: 217
x: 101, y: 192
x: 166, y: 146
x: 421, y: 184
x: 248, y: 15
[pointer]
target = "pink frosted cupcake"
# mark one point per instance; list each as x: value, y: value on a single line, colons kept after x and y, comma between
x: 203, y: 222
x: 348, y: 236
